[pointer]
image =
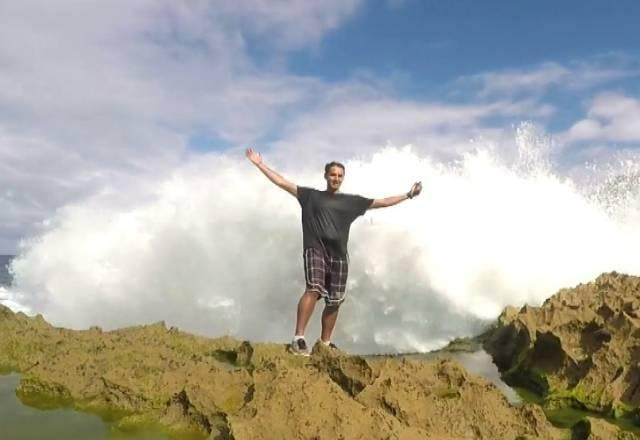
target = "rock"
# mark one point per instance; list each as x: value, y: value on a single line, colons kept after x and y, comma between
x: 225, y: 389
x: 596, y: 429
x: 440, y: 398
x: 466, y: 345
x: 581, y: 348
x: 351, y: 373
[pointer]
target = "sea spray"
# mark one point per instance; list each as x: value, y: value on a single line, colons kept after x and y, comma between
x: 216, y: 248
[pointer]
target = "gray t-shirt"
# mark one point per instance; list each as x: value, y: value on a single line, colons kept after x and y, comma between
x: 327, y: 217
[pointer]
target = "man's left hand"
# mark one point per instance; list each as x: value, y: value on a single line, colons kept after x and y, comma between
x: 415, y: 189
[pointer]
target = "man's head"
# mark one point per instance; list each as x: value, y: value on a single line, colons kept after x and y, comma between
x: 334, y: 175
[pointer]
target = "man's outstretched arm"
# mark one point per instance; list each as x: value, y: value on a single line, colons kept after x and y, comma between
x: 276, y: 178
x: 394, y: 200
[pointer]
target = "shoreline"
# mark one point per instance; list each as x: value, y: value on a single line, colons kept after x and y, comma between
x: 224, y: 388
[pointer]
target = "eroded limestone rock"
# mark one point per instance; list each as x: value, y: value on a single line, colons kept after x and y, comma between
x: 226, y: 389
x: 581, y: 348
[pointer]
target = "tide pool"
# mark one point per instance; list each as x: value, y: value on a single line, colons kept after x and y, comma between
x: 21, y: 422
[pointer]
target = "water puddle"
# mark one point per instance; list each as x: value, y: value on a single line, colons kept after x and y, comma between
x: 21, y: 422
x: 568, y: 417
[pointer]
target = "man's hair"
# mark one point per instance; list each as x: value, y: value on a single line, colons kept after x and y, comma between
x: 328, y: 166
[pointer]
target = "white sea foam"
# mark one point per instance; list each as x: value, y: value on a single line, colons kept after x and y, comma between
x: 10, y: 299
x: 216, y: 248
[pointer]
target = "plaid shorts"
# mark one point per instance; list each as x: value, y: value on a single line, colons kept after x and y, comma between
x: 326, y: 275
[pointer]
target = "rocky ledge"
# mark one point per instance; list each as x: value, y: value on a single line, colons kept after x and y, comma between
x: 227, y: 389
x: 580, y: 349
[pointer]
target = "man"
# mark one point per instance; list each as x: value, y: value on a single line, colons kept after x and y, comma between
x: 326, y: 218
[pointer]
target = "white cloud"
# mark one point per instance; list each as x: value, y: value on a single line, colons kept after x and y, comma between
x: 97, y: 95
x: 175, y: 66
x: 37, y: 177
x: 356, y: 122
x: 611, y: 117
x: 511, y: 81
x: 362, y: 126
x: 290, y: 24
x: 94, y: 93
x: 573, y: 75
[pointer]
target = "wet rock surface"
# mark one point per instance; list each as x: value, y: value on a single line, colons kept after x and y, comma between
x: 580, y: 349
x: 227, y: 389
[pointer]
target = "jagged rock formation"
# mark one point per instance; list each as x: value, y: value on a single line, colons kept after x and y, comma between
x: 597, y: 429
x: 226, y: 389
x: 581, y: 348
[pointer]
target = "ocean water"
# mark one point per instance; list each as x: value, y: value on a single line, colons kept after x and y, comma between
x: 5, y: 276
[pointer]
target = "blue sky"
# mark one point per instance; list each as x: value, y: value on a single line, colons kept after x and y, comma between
x: 95, y: 96
x: 435, y: 41
x: 425, y: 45
x: 433, y: 51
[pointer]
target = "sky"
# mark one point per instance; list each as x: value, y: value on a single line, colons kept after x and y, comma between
x: 112, y: 97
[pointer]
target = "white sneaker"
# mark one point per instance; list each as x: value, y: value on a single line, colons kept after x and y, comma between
x: 299, y: 347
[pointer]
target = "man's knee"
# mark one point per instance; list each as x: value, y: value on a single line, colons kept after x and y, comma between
x: 332, y: 304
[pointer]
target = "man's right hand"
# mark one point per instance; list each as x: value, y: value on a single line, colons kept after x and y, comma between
x: 256, y: 159
x: 253, y: 156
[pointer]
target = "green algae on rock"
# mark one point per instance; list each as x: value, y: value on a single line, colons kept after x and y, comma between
x: 196, y: 387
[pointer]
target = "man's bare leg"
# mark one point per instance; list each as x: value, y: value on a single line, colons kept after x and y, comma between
x: 329, y: 317
x: 306, y: 305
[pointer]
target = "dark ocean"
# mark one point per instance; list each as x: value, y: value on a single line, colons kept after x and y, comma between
x: 5, y: 277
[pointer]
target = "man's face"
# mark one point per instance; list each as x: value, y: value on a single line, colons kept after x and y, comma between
x: 334, y: 178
